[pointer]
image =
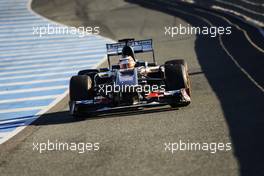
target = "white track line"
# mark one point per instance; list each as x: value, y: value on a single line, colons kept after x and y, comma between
x: 37, y: 75
x: 28, y: 99
x: 39, y: 65
x: 44, y: 38
x: 32, y: 90
x: 20, y: 48
x: 233, y: 59
x: 29, y: 56
x: 240, y: 7
x: 17, y: 12
x: 34, y: 37
x: 43, y: 111
x: 236, y: 26
x: 46, y: 69
x: 37, y: 22
x: 240, y: 67
x: 54, y: 50
x: 33, y: 82
x: 48, y: 42
x: 67, y: 56
x: 36, y: 61
x: 8, y: 15
x: 237, y: 14
x: 16, y: 120
x: 227, y: 52
x: 22, y: 109
x: 253, y: 3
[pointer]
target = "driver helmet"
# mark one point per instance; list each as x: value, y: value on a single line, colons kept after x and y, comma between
x: 126, y: 62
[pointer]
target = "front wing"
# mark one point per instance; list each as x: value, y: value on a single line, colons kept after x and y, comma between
x: 97, y: 105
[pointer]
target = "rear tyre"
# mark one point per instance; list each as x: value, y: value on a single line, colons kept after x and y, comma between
x: 81, y: 88
x: 88, y: 72
x: 177, y: 77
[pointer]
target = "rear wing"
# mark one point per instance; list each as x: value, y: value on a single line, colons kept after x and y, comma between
x: 139, y: 46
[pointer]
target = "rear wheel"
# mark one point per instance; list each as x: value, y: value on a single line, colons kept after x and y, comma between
x: 177, y: 77
x: 88, y: 72
x: 81, y: 88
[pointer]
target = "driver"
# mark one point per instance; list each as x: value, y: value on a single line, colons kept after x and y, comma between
x: 126, y: 62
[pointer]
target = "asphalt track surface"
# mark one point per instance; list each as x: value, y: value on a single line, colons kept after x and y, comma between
x: 227, y: 82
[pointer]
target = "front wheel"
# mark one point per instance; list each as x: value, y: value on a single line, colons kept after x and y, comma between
x: 81, y: 88
x: 177, y: 78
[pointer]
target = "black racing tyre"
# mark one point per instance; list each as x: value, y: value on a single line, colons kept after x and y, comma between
x: 88, y: 71
x: 81, y: 88
x: 176, y: 61
x: 177, y: 77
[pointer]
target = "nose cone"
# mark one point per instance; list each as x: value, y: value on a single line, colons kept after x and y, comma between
x: 127, y: 77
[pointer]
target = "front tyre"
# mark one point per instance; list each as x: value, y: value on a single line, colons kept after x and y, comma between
x: 81, y: 88
x: 177, y: 78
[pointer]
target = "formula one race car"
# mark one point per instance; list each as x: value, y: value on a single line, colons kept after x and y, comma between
x: 129, y: 83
